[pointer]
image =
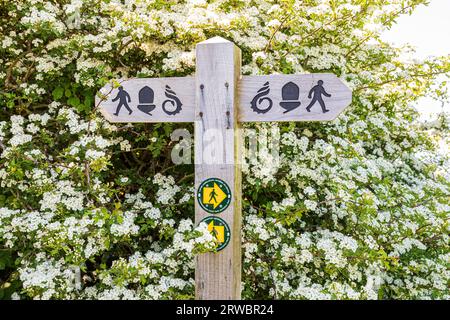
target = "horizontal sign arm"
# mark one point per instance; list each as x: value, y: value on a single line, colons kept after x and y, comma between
x: 303, y: 97
x: 149, y: 100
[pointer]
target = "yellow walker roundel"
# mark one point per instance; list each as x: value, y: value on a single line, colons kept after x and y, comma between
x: 214, y: 195
x: 220, y: 229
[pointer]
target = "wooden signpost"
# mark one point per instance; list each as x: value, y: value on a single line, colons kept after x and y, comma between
x: 217, y: 99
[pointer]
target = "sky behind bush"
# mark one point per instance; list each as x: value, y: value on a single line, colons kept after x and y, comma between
x: 427, y: 29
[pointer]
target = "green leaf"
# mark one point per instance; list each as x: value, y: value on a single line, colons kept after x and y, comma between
x: 58, y: 93
x: 73, y: 101
x: 88, y: 100
x: 6, y: 259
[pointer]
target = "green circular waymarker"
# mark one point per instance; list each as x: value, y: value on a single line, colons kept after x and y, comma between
x: 214, y: 195
x: 220, y: 229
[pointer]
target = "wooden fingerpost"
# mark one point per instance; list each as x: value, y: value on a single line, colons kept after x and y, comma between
x: 216, y: 102
x: 217, y: 167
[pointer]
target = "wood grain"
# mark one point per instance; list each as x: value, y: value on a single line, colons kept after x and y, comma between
x: 341, y: 97
x: 218, y: 275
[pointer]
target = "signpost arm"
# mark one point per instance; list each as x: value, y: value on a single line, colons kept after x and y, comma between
x: 217, y: 155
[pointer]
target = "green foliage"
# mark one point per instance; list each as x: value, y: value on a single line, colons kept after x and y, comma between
x: 356, y: 208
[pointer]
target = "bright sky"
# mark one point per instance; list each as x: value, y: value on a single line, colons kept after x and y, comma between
x: 427, y: 29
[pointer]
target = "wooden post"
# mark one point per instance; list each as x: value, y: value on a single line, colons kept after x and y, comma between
x: 217, y: 157
x: 216, y: 105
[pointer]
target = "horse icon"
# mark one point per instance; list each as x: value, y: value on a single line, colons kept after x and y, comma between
x: 124, y: 99
x: 317, y: 91
x: 173, y: 100
x: 261, y: 96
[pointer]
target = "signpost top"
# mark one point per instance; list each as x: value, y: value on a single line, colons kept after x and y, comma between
x: 215, y: 39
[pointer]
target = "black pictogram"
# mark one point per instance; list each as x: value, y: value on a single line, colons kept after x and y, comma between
x: 259, y: 98
x: 317, y: 91
x: 146, y: 97
x: 290, y: 94
x: 124, y: 99
x: 173, y: 100
x: 212, y: 196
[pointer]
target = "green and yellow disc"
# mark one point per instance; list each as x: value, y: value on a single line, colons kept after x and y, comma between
x: 220, y: 229
x: 214, y: 195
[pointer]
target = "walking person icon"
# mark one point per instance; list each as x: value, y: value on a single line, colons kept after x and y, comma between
x: 212, y: 196
x: 123, y: 97
x: 317, y: 91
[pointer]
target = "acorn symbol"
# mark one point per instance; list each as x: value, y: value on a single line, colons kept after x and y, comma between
x: 146, y: 97
x: 290, y: 94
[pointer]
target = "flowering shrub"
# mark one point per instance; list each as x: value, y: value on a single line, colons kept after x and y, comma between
x: 357, y: 208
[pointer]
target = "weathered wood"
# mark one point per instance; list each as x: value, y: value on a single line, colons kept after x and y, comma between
x: 341, y: 97
x: 217, y: 99
x: 217, y: 150
x: 147, y: 105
